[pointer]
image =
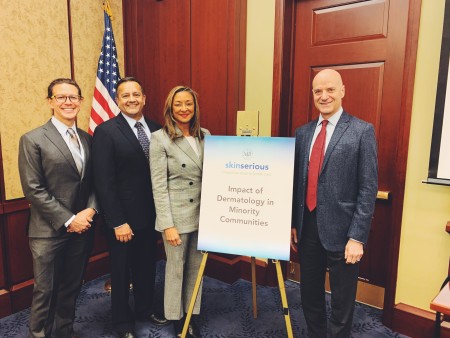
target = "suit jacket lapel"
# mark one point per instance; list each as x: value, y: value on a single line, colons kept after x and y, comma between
x: 86, y: 150
x: 185, y: 146
x: 339, y: 131
x: 201, y: 148
x: 151, y: 125
x: 55, y: 137
x: 307, y: 143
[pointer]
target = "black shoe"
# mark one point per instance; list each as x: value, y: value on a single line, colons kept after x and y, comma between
x: 126, y: 334
x: 178, y: 327
x: 158, y: 319
x: 193, y: 330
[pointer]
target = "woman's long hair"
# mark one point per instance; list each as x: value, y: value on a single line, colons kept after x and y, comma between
x: 170, y: 122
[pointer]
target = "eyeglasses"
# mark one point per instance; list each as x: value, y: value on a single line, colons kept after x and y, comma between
x: 63, y: 98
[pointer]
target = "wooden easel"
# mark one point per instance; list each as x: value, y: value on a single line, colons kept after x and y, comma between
x: 201, y: 271
x: 255, y: 304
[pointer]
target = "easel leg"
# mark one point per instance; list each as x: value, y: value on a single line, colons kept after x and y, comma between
x: 287, y: 317
x: 255, y: 305
x: 194, y: 294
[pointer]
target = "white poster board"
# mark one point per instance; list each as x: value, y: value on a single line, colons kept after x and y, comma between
x: 246, y: 201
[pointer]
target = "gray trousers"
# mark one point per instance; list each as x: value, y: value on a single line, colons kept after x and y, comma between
x: 58, y: 266
x: 183, y: 263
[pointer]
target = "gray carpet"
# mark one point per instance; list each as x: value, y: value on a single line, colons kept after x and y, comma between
x: 226, y: 313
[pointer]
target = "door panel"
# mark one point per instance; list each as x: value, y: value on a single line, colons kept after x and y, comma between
x: 365, y: 41
x: 215, y: 51
x: 157, y: 48
x: 371, y: 23
x: 366, y: 96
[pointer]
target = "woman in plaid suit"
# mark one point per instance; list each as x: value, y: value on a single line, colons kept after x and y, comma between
x: 176, y: 157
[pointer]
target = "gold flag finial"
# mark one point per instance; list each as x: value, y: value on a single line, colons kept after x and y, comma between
x: 107, y: 8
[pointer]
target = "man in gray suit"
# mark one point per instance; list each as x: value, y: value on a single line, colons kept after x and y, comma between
x: 335, y: 187
x: 55, y: 172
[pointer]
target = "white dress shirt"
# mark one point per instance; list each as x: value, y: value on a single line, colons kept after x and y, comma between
x: 132, y: 123
x: 332, y: 122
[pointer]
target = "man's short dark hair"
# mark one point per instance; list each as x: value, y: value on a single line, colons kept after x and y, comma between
x: 59, y: 81
x: 129, y: 79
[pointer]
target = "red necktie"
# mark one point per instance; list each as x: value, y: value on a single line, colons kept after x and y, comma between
x: 315, y: 164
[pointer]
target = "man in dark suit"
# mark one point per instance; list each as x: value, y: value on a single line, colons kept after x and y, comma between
x: 124, y: 189
x: 335, y: 187
x: 56, y: 176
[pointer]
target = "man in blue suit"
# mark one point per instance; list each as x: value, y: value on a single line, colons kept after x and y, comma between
x: 335, y: 187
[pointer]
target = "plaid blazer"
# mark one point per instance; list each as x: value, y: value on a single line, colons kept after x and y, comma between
x: 176, y: 172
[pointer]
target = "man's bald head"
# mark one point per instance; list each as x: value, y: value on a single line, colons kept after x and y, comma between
x: 328, y: 91
x: 328, y: 74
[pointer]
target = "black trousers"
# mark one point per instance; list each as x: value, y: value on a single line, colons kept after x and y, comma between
x: 133, y: 261
x: 314, y: 261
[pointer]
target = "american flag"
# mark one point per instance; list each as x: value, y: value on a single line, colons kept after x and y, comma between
x: 103, y: 105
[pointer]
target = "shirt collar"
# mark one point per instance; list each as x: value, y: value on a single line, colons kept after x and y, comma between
x: 333, y: 119
x: 132, y: 122
x: 61, y: 127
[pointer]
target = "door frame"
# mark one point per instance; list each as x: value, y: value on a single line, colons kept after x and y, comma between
x: 281, y: 117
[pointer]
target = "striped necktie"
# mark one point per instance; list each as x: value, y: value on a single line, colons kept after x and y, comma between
x: 142, y: 138
x: 75, y: 149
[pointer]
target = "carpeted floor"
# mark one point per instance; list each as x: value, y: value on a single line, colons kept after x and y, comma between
x: 226, y: 313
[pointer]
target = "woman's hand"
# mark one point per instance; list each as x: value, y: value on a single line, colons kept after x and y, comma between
x: 172, y: 236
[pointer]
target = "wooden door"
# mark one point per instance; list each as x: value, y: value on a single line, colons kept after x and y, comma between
x: 367, y: 42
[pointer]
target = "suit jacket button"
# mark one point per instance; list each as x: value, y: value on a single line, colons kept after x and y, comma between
x: 183, y: 165
x: 191, y: 200
x: 191, y: 183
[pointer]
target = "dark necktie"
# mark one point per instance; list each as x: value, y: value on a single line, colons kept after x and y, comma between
x: 315, y: 165
x: 142, y: 138
x: 75, y: 149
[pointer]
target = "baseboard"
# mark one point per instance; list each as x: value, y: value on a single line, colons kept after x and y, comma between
x: 5, y: 303
x: 230, y: 268
x: 21, y: 295
x: 415, y: 322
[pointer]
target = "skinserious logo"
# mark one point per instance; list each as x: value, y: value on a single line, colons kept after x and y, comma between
x: 247, y: 156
